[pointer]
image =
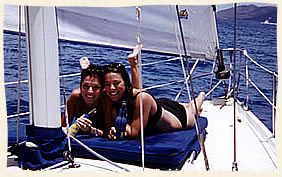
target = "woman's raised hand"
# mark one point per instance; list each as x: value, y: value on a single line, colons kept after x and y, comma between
x: 133, y: 57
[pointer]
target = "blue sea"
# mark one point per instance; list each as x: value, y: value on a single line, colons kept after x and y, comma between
x: 259, y: 39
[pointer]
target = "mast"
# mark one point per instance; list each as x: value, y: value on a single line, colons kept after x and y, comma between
x: 43, y: 66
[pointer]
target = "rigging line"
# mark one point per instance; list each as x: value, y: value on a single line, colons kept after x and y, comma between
x: 186, y: 81
x: 66, y: 111
x: 235, y: 164
x: 161, y: 61
x: 143, y: 89
x: 263, y: 68
x: 246, y: 103
x: 19, y: 76
x: 247, y: 55
x: 138, y: 38
x: 78, y: 74
x: 238, y: 80
x: 27, y: 26
x: 200, y: 135
x: 14, y: 115
x: 257, y: 88
x: 25, y: 113
x: 96, y: 154
x: 273, y: 100
x: 212, y: 89
x: 16, y: 82
x: 217, y: 45
x: 165, y: 84
x: 215, y: 22
x: 63, y: 82
x: 213, y: 68
x: 231, y: 70
x: 180, y: 57
x: 60, y: 58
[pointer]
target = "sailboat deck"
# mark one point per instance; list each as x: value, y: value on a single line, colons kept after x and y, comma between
x: 255, y: 148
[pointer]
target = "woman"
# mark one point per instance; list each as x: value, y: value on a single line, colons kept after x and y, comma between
x: 159, y: 115
x: 87, y: 99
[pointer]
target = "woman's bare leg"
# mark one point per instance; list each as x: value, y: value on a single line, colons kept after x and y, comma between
x: 168, y: 122
x: 191, y: 110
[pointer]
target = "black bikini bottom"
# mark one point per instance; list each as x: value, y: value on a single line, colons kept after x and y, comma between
x: 173, y: 107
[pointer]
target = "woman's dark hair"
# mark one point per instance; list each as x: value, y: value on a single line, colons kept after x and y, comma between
x: 93, y: 70
x: 128, y: 94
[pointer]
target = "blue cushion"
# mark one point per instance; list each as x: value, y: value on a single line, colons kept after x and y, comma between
x: 163, y: 151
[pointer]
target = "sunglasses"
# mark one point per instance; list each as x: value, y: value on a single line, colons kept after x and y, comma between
x: 92, y: 70
x: 115, y: 84
x: 114, y: 67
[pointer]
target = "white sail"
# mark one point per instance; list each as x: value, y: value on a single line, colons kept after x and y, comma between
x: 43, y: 65
x: 11, y: 18
x: 117, y: 26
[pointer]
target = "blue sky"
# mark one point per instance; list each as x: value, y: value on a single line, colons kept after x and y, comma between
x: 226, y: 6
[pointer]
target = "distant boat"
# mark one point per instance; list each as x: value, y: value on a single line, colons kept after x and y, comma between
x: 267, y: 22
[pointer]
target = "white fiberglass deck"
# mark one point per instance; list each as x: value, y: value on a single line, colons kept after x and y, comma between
x: 85, y: 165
x: 255, y: 145
x: 255, y: 149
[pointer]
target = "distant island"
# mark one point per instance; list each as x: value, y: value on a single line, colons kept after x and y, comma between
x: 250, y: 12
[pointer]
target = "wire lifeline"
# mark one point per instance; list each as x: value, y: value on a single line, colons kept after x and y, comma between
x: 239, y: 78
x: 246, y: 103
x: 78, y: 74
x: 148, y: 88
x: 200, y: 135
x: 273, y: 107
